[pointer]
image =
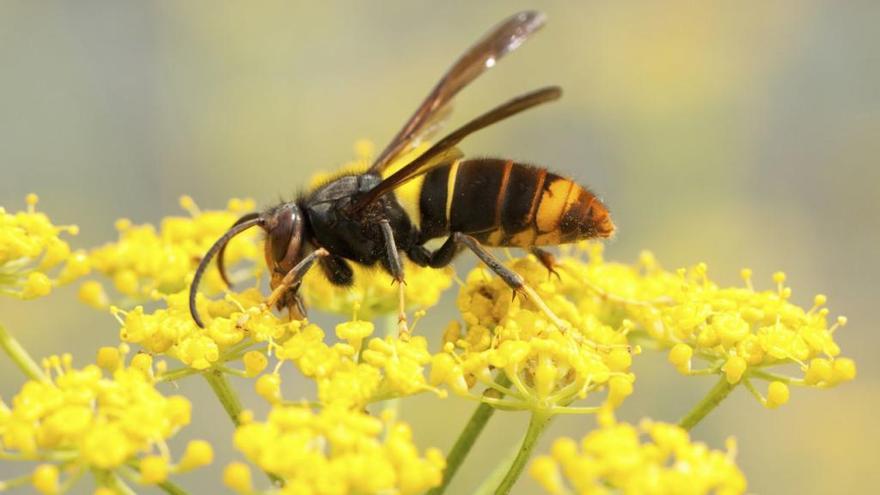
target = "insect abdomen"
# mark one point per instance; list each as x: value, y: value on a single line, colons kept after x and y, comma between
x: 503, y: 203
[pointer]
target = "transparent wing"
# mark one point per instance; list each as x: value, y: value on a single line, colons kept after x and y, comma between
x: 504, y: 38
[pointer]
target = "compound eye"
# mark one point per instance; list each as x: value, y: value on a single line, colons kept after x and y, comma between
x: 279, y: 237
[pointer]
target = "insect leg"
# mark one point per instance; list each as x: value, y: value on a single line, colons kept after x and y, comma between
x: 295, y: 275
x: 547, y: 259
x: 395, y: 266
x: 337, y: 270
x: 510, y: 277
x: 443, y: 256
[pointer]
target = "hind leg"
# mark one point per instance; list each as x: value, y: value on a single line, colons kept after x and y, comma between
x: 547, y: 259
x: 445, y: 254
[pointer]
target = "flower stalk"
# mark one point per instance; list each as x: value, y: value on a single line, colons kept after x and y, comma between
x: 466, y: 439
x: 717, y: 394
x: 225, y: 394
x: 20, y: 356
x: 231, y: 404
x: 537, y: 424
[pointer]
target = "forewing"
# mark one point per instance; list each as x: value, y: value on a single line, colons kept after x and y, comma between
x: 503, y: 39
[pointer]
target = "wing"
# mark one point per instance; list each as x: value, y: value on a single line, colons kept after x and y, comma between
x: 506, y: 37
x: 445, y: 150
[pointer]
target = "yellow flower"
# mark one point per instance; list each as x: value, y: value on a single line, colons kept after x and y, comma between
x: 373, y: 291
x: 145, y: 259
x: 232, y: 325
x: 548, y: 367
x: 100, y: 421
x: 335, y: 451
x: 740, y: 332
x: 351, y: 376
x: 655, y: 458
x: 31, y: 252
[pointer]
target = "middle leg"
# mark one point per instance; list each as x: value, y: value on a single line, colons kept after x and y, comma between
x: 395, y: 267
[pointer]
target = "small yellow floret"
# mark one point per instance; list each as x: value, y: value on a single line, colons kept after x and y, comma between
x: 680, y: 356
x: 255, y: 362
x: 734, y: 368
x: 154, y: 469
x: 198, y: 453
x: 45, y: 479
x: 777, y: 394
x: 269, y: 387
x: 237, y: 477
x: 844, y: 370
x: 108, y: 358
x: 92, y: 293
x: 37, y: 285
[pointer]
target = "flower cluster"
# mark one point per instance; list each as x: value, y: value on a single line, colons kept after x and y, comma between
x: 739, y: 331
x: 548, y: 367
x: 374, y: 291
x: 334, y: 451
x: 146, y: 260
x: 570, y: 335
x: 355, y: 372
x: 232, y: 325
x: 654, y: 458
x: 107, y: 417
x: 33, y: 256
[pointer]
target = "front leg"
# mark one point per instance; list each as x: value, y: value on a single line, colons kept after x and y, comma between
x: 294, y: 277
x: 395, y: 267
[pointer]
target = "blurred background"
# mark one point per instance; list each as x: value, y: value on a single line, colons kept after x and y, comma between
x: 739, y: 134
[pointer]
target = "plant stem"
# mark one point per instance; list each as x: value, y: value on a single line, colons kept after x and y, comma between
x: 497, y: 474
x: 537, y: 424
x: 20, y: 356
x: 718, y: 393
x: 171, y: 488
x: 230, y: 402
x: 463, y: 444
x: 466, y: 439
x: 225, y: 394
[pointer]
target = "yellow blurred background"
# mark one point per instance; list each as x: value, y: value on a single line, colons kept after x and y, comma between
x: 736, y: 133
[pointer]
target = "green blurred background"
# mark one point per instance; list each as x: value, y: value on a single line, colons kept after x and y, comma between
x: 736, y: 133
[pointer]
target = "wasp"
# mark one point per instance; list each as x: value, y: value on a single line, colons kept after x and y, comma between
x: 472, y: 203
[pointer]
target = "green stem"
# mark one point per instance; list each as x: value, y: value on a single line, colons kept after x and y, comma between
x: 225, y: 394
x: 177, y: 374
x: 466, y: 439
x: 494, y: 479
x: 537, y: 424
x: 20, y: 356
x: 231, y: 404
x: 20, y: 481
x: 172, y: 489
x: 718, y: 393
x: 131, y: 473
